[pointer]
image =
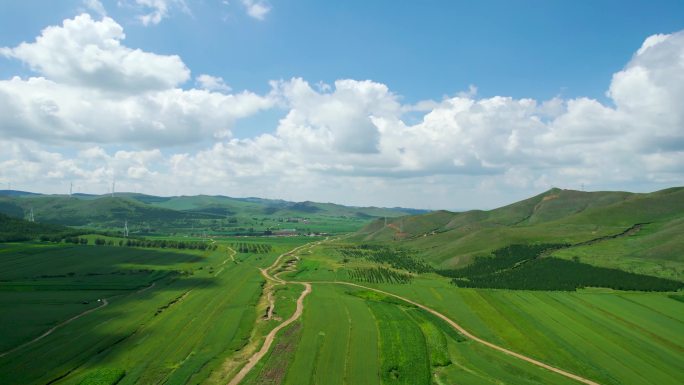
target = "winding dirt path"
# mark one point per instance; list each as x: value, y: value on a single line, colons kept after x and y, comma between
x: 271, y: 337
x: 473, y: 337
x: 256, y: 357
x: 47, y: 333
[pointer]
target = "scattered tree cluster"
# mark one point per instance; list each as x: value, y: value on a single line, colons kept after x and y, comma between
x: 521, y: 267
x: 254, y: 248
x: 379, y: 275
x: 397, y: 258
x: 76, y: 240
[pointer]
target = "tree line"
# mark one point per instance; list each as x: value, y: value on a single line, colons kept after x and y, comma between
x: 132, y: 242
x: 379, y: 275
x: 522, y: 267
x: 254, y: 248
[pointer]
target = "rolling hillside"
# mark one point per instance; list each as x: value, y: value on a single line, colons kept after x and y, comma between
x: 589, y: 220
x: 203, y: 212
x: 14, y: 229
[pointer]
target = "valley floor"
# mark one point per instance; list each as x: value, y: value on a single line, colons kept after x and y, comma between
x: 199, y: 316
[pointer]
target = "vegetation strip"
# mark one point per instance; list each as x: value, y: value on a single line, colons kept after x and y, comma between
x: 473, y: 337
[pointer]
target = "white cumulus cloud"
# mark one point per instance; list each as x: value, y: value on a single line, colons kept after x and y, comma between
x: 352, y: 141
x: 93, y: 89
x: 256, y: 9
x: 212, y: 83
x: 87, y: 52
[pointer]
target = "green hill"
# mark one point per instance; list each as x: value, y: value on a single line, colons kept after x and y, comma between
x: 214, y: 214
x: 452, y: 240
x: 15, y: 230
x: 102, y: 212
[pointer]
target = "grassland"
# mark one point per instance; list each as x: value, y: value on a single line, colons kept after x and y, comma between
x: 173, y: 316
x: 452, y: 240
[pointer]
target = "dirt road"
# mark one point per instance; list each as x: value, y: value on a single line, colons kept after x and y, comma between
x: 271, y: 337
x: 475, y: 338
x: 256, y: 357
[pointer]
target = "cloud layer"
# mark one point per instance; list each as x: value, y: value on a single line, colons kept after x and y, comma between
x: 97, y: 109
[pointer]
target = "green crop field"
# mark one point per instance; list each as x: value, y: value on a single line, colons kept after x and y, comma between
x: 567, y: 279
x: 609, y: 336
x: 172, y: 316
x: 350, y: 337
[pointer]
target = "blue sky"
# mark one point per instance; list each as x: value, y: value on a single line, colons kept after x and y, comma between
x: 425, y: 49
x: 428, y: 52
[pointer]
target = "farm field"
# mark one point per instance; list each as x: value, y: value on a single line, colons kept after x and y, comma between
x: 347, y: 336
x: 611, y: 337
x: 95, y: 308
x: 266, y: 192
x: 171, y: 317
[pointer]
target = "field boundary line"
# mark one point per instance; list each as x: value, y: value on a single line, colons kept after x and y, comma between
x: 467, y: 334
x: 105, y: 302
x: 48, y: 332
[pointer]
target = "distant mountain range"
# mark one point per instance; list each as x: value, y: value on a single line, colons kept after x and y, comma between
x: 105, y: 211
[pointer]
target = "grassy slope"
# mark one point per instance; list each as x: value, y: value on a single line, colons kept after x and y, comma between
x: 15, y: 229
x: 563, y: 216
x: 100, y: 212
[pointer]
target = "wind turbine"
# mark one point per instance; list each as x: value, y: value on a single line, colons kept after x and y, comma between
x: 125, y: 232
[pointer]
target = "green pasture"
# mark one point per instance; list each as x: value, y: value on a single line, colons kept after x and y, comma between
x: 656, y: 249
